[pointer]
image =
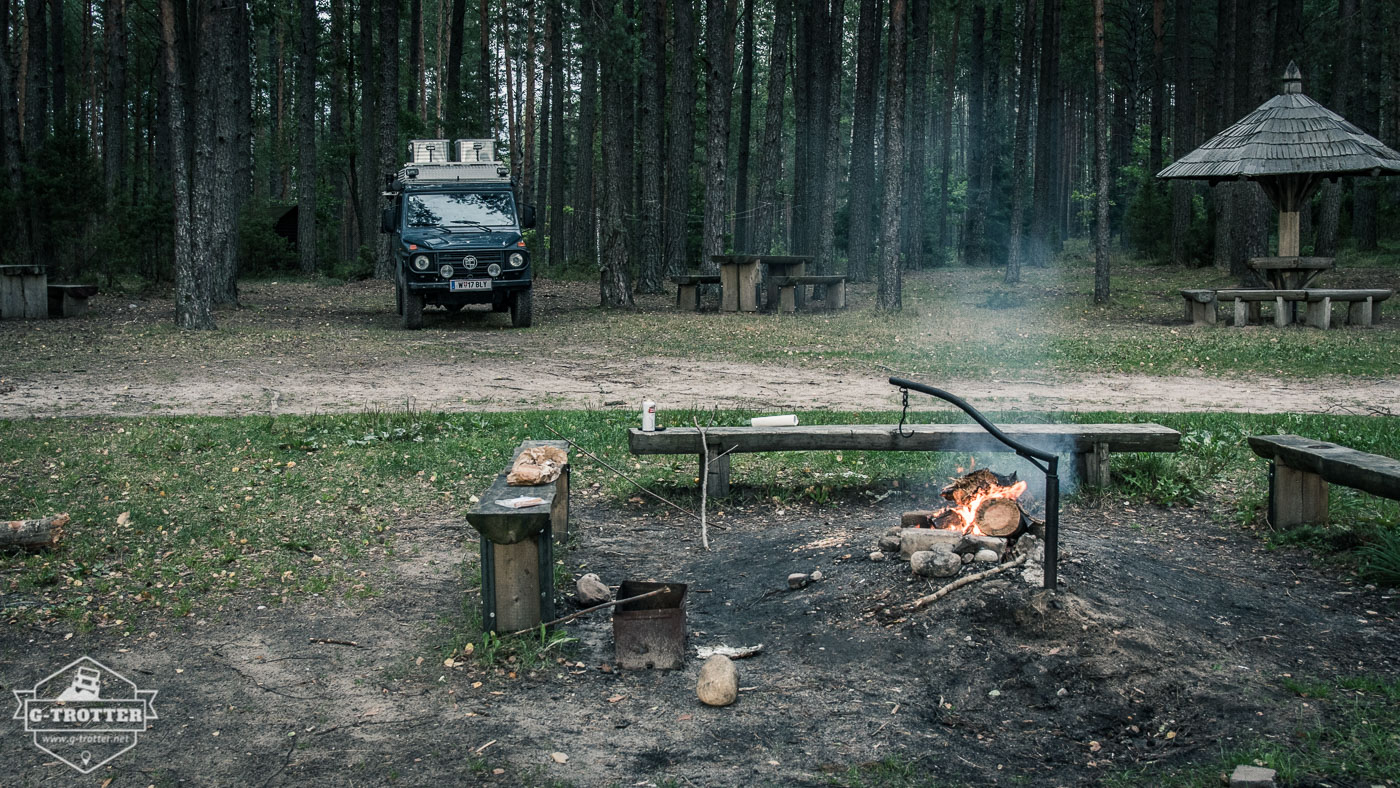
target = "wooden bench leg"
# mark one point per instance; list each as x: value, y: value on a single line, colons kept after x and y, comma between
x: 1319, y: 313
x: 1359, y: 312
x: 510, y: 587
x: 787, y: 299
x: 1203, y: 314
x: 1241, y: 313
x: 748, y: 287
x: 688, y: 298
x: 1296, y: 497
x: 1092, y: 466
x: 1282, y: 313
x: 837, y: 295
x: 559, y: 510
x: 718, y: 485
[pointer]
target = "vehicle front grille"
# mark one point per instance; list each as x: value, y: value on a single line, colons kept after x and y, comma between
x: 483, y: 258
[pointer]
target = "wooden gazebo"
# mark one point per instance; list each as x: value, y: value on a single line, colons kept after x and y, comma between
x: 1289, y: 145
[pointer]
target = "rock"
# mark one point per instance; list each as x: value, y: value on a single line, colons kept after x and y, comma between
x: 1061, y: 692
x: 592, y: 590
x: 889, y: 543
x: 1252, y: 777
x: 966, y: 558
x: 1031, y: 547
x: 985, y: 556
x: 935, y: 563
x: 798, y: 580
x: 971, y: 543
x: 1034, y: 575
x: 877, y: 556
x: 916, y: 519
x: 912, y: 540
x: 719, y: 681
x: 817, y: 576
x: 893, y: 530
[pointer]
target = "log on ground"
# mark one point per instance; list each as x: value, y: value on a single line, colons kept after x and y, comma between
x: 33, y: 534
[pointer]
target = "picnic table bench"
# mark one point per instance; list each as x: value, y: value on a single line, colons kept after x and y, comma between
x: 70, y: 300
x: 517, y: 555
x: 788, y: 285
x: 688, y: 289
x: 23, y: 292
x: 1091, y: 444
x: 1300, y: 469
x: 1362, y: 304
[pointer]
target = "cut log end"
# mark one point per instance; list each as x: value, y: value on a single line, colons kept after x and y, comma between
x: 33, y: 534
x: 999, y: 517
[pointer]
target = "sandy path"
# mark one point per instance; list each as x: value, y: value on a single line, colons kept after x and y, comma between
x: 545, y: 383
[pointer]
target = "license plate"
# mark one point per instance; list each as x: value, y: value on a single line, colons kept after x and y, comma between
x: 459, y: 285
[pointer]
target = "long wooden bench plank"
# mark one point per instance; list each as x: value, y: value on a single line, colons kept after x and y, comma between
x: 1334, y: 463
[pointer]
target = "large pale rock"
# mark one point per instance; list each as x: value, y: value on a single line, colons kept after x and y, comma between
x: 935, y: 563
x: 971, y: 543
x: 889, y: 543
x: 912, y: 540
x: 878, y: 556
x: 798, y: 580
x: 986, y: 556
x: 592, y: 590
x: 1031, y: 547
x: 719, y: 681
x: 1252, y: 777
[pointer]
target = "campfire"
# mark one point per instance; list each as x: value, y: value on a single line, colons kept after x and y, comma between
x: 985, y: 520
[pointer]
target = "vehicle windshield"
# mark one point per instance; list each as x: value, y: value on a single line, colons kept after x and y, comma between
x: 461, y: 209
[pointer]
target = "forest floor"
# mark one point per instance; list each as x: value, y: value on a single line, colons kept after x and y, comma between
x: 1174, y: 643
x: 330, y: 348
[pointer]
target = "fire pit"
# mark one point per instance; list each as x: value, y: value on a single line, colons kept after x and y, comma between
x: 985, y: 505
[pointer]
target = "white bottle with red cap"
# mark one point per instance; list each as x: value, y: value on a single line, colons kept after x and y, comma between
x: 648, y: 416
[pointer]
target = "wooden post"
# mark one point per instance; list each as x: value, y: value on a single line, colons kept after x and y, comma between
x: 1287, y: 233
x: 837, y: 295
x: 559, y: 509
x: 1297, y: 497
x: 1092, y: 466
x: 1319, y: 313
x: 1359, y: 312
x: 688, y: 298
x: 729, y: 287
x: 1241, y: 313
x: 719, y: 472
x: 787, y: 298
x: 1282, y: 312
x: 24, y: 292
x: 748, y: 285
x: 516, y: 571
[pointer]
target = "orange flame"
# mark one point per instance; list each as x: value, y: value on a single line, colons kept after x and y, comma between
x: 968, y: 511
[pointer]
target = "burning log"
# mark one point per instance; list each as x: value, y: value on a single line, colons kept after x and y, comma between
x: 998, y: 517
x: 977, y: 483
x: 33, y: 534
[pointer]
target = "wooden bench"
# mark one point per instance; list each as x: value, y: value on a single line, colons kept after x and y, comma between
x: 23, y: 293
x: 787, y: 290
x: 70, y: 300
x: 1200, y: 306
x: 1300, y: 468
x: 1363, y: 306
x: 1090, y: 443
x: 517, y: 556
x: 1248, y: 300
x: 687, y: 289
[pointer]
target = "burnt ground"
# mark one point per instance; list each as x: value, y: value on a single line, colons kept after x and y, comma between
x: 1167, y: 643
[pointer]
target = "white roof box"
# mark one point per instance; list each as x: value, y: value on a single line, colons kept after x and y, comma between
x: 475, y: 150
x: 428, y: 152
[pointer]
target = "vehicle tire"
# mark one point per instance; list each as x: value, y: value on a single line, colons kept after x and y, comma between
x: 522, y: 306
x: 412, y: 310
x: 398, y: 294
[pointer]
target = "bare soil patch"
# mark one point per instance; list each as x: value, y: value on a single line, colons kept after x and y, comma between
x: 1167, y: 643
x: 299, y: 348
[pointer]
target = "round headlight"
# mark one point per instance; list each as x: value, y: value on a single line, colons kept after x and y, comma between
x: 446, y: 271
x: 493, y: 269
x: 517, y: 259
x: 420, y: 263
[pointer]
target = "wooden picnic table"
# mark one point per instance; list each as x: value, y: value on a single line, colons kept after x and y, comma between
x: 739, y: 275
x: 1290, y: 273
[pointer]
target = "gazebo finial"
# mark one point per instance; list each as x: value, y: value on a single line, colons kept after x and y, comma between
x: 1292, y: 78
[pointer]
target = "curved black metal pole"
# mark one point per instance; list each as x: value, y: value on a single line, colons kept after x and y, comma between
x: 1035, y: 456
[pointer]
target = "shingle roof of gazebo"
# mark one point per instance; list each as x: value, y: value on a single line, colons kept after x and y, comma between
x: 1288, y: 134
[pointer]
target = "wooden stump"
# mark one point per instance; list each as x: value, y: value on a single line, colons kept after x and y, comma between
x: 998, y: 517
x: 33, y: 534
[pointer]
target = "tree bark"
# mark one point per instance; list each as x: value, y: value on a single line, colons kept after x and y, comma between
x: 1364, y: 202
x: 58, y: 61
x: 1183, y: 134
x: 614, y: 288
x: 585, y: 232
x: 306, y: 132
x: 916, y: 133
x: 950, y: 70
x: 721, y: 17
x: 193, y: 302
x: 457, y: 33
x: 367, y: 165
x: 527, y: 125
x: 388, y: 107
x: 829, y: 129
x: 36, y: 92
x: 1222, y: 195
x: 1043, y: 241
x: 114, y: 116
x: 861, y: 238
x: 651, y: 129
x: 974, y: 241
x: 484, y: 86
x: 1102, y: 183
x: 1159, y: 86
x: 33, y: 534
x: 680, y: 129
x: 542, y: 163
x: 890, y: 286
x: 1021, y: 145
x: 741, y: 173
x: 768, y: 208
x: 415, y: 55
x: 558, y: 228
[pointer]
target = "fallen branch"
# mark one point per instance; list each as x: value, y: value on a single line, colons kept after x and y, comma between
x: 33, y: 534
x: 733, y: 652
x: 334, y: 642
x: 587, y: 610
x: 704, y: 486
x: 925, y: 601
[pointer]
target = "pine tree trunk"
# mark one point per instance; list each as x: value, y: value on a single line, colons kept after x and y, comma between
x: 457, y: 35
x: 558, y: 227
x: 1159, y: 87
x: 974, y: 224
x: 542, y: 163
x: 652, y: 133
x: 1021, y: 146
x: 861, y: 238
x: 614, y: 288
x: 527, y: 125
x: 1329, y: 221
x: 950, y: 70
x: 388, y: 107
x: 415, y: 53
x: 367, y: 166
x: 193, y: 307
x: 768, y: 209
x: 721, y: 17
x: 1041, y: 246
x: 830, y: 131
x: 58, y: 61
x: 36, y: 92
x: 741, y: 174
x: 1183, y: 135
x: 114, y: 116
x: 1102, y: 183
x: 484, y: 85
x: 340, y: 177
x: 1364, y: 203
x: 306, y: 133
x: 890, y: 287
x: 916, y: 134
x: 585, y: 230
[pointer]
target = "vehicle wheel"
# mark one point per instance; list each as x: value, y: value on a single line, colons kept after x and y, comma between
x: 452, y: 308
x: 412, y: 309
x: 521, y: 309
x: 398, y: 295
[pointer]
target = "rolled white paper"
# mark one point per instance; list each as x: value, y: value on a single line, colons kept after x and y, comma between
x: 774, y: 421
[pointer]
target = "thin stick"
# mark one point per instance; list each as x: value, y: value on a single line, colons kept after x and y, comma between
x: 334, y: 642
x: 704, y: 486
x: 925, y: 601
x: 587, y: 610
x: 624, y: 476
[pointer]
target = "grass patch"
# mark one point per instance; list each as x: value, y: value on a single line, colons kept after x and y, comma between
x: 174, y: 516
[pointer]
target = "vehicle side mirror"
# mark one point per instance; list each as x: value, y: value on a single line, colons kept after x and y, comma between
x: 386, y: 218
x: 527, y: 217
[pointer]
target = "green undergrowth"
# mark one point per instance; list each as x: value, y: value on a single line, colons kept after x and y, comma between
x: 174, y: 516
x: 1348, y: 734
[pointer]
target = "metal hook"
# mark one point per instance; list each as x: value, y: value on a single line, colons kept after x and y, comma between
x: 902, y: 414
